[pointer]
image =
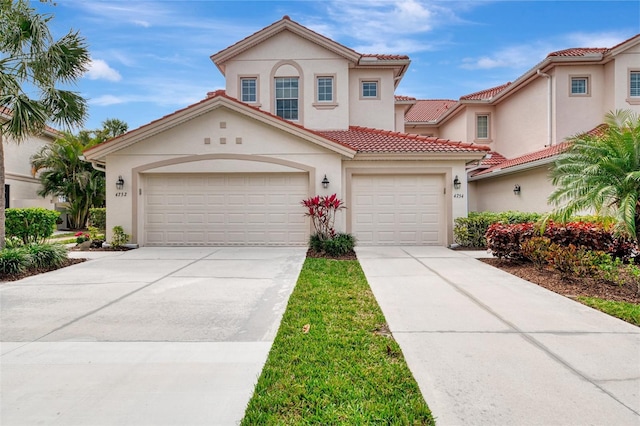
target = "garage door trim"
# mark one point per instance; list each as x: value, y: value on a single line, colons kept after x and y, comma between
x: 432, y: 171
x: 137, y: 172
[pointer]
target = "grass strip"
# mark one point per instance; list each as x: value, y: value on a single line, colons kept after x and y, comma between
x: 341, y: 369
x: 629, y: 312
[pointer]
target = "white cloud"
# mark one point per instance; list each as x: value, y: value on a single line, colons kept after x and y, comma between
x: 100, y: 70
x: 106, y: 100
x: 603, y: 39
x: 388, y: 25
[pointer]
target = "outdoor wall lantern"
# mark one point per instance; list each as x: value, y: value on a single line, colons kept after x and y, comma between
x: 120, y: 183
x: 516, y: 189
x: 456, y: 183
x: 325, y: 182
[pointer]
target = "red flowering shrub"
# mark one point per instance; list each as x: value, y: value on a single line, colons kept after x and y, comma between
x: 322, y: 211
x: 505, y: 241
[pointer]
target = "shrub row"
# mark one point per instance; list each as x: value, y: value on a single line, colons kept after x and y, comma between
x: 338, y: 245
x: 470, y: 231
x: 572, y: 261
x: 17, y: 260
x: 506, y: 241
x: 31, y: 225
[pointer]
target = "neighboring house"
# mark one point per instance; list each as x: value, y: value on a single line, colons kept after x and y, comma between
x: 21, y: 187
x: 301, y: 115
x: 526, y: 122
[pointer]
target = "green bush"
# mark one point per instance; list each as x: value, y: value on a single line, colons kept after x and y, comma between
x: 537, y: 251
x: 46, y: 255
x: 31, y: 225
x: 338, y: 245
x: 14, y: 261
x: 470, y: 231
x: 98, y: 218
x: 119, y: 237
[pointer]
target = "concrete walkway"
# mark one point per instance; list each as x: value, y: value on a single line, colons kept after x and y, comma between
x: 154, y: 336
x: 488, y: 348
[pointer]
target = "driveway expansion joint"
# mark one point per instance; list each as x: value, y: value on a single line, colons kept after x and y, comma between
x: 525, y: 335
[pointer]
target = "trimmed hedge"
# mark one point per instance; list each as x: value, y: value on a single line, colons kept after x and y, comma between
x: 470, y: 231
x: 506, y: 241
x: 98, y: 218
x: 339, y: 245
x: 31, y: 225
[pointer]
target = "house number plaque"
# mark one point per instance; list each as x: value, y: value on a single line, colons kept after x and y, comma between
x: 121, y: 194
x: 458, y: 195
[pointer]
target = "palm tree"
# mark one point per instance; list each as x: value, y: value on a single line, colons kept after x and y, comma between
x: 602, y: 172
x: 63, y: 174
x: 32, y: 67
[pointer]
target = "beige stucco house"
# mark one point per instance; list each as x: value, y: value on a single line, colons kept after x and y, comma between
x: 525, y: 122
x: 21, y: 186
x: 300, y: 115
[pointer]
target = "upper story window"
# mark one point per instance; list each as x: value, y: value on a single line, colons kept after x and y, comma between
x: 369, y: 89
x: 579, y: 86
x: 482, y: 126
x: 287, y: 97
x: 634, y: 83
x: 249, y: 89
x: 325, y: 89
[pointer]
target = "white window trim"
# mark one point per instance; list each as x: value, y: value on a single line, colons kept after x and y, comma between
x: 632, y: 100
x: 369, y: 80
x: 272, y: 81
x: 318, y: 104
x: 257, y: 79
x: 275, y: 98
x: 586, y: 77
x: 475, y: 125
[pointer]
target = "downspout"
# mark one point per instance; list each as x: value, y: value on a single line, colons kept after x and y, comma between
x: 549, y: 107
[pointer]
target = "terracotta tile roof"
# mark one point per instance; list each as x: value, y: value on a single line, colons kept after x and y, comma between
x: 367, y: 140
x: 383, y: 57
x: 493, y: 159
x: 404, y: 98
x: 551, y: 151
x: 486, y: 94
x: 598, y: 131
x: 428, y: 110
x: 579, y: 51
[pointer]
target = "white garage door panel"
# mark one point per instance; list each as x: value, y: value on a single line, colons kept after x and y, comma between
x: 225, y: 209
x: 398, y: 209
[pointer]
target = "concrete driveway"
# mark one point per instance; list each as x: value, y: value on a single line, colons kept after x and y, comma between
x: 488, y: 348
x: 153, y: 336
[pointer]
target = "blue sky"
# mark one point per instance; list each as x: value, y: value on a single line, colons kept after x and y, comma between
x: 152, y: 58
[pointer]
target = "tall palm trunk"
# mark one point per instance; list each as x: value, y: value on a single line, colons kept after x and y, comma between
x: 2, y: 195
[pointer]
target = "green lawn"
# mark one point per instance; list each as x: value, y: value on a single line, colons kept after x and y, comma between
x: 629, y: 312
x: 343, y: 370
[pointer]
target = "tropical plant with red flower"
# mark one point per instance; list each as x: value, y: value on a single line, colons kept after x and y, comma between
x: 322, y: 211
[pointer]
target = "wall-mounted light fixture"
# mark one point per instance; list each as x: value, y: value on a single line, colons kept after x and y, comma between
x: 120, y: 183
x: 456, y: 183
x: 325, y: 182
x: 516, y: 189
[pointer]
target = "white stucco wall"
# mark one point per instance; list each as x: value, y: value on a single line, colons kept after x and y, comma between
x: 23, y: 186
x: 577, y: 114
x: 374, y: 113
x: 456, y: 127
x: 245, y: 137
x: 273, y: 58
x: 496, y: 194
x: 625, y: 61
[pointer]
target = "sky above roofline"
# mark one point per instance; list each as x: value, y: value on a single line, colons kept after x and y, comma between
x: 152, y: 58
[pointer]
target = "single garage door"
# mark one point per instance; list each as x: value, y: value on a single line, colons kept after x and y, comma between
x: 398, y: 209
x: 225, y: 209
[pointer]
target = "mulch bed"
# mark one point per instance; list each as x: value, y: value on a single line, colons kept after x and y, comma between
x: 323, y: 255
x: 31, y: 272
x: 570, y: 287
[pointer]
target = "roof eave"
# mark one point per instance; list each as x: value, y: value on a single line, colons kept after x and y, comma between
x: 99, y: 152
x: 515, y: 169
x: 467, y: 155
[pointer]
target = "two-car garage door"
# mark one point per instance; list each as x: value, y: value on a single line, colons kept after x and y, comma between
x: 225, y: 209
x: 398, y: 209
